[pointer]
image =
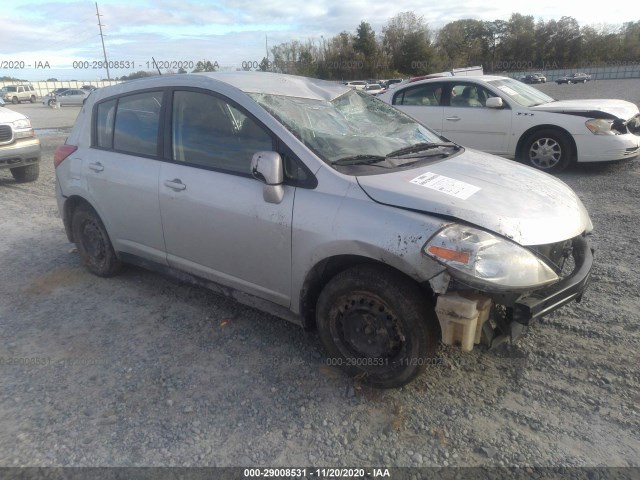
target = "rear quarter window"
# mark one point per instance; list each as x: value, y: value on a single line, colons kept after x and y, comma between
x: 129, y: 124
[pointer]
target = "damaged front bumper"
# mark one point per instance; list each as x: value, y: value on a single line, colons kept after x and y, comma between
x: 541, y: 302
x: 468, y: 315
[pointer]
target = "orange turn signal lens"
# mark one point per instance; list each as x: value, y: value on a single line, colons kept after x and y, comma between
x: 448, y: 254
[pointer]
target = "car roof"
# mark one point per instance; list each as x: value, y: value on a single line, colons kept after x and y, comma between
x: 247, y: 82
x: 457, y: 78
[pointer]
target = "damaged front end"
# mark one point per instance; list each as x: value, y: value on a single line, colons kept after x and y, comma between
x: 493, y: 288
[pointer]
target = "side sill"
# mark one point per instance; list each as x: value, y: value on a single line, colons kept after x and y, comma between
x: 241, y: 297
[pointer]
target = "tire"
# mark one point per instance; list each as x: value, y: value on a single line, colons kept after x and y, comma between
x: 32, y: 99
x: 51, y: 102
x: 93, y: 243
x: 28, y: 173
x: 15, y: 100
x: 568, y: 82
x: 377, y: 325
x: 547, y: 150
x: 584, y: 81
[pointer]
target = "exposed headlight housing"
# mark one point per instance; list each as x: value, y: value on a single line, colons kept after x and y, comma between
x: 600, y: 126
x: 479, y: 257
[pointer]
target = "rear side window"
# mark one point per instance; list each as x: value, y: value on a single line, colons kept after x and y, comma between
x: 104, y: 124
x: 129, y: 124
x: 429, y: 94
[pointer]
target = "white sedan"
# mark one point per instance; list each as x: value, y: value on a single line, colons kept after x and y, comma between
x: 505, y: 117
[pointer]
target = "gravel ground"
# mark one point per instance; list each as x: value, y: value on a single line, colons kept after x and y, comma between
x: 140, y: 370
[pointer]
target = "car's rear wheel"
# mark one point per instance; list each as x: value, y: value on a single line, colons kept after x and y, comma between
x: 32, y: 99
x: 377, y: 325
x: 548, y: 150
x: 28, y: 173
x: 93, y: 243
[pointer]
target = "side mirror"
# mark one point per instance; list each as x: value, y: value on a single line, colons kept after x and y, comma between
x: 494, y: 102
x: 267, y: 168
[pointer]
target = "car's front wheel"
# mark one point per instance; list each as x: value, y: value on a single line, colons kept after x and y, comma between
x: 51, y: 102
x: 15, y: 100
x: 28, y: 173
x: 548, y: 150
x: 377, y: 325
x: 93, y: 243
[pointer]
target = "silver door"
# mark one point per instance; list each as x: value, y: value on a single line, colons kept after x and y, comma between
x: 122, y: 173
x: 215, y: 220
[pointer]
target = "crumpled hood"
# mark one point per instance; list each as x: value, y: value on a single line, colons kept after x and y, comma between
x: 617, y: 108
x: 518, y: 202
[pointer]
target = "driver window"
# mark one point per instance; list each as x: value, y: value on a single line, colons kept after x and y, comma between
x: 210, y: 132
x: 468, y: 95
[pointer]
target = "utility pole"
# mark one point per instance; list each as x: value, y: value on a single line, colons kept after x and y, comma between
x: 104, y: 51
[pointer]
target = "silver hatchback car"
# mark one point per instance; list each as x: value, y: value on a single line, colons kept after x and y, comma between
x: 325, y: 206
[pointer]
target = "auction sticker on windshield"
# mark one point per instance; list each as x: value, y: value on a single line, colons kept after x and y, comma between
x: 446, y: 185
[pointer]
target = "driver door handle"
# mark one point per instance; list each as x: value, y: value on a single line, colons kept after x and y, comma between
x: 175, y: 184
x: 453, y: 119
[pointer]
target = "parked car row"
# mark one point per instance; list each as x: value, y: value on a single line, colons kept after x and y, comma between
x: 62, y: 96
x: 533, y: 78
x: 330, y: 208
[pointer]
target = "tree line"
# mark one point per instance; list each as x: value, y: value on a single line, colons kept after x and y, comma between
x: 407, y: 46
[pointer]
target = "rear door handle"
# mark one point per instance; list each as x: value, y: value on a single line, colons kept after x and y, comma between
x: 453, y: 119
x: 96, y: 167
x: 175, y: 184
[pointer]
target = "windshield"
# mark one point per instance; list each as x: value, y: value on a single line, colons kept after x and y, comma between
x: 10, y: 89
x: 520, y: 93
x: 352, y: 125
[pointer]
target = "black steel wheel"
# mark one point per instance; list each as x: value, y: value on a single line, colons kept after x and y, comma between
x: 377, y: 325
x: 92, y: 241
x: 548, y: 150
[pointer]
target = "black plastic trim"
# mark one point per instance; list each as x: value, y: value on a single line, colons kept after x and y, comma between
x: 542, y: 302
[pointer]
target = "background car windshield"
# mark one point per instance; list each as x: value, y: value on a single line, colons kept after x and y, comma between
x: 353, y: 124
x: 520, y: 93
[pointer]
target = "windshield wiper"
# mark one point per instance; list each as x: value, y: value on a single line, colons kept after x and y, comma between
x: 419, y: 147
x: 360, y: 160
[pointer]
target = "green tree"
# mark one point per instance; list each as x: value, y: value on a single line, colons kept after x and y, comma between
x: 205, y: 66
x: 406, y: 39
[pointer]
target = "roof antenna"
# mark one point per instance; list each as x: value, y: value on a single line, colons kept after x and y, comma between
x: 156, y: 64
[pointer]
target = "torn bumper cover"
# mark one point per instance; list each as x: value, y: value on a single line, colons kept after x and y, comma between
x: 544, y: 301
x: 465, y: 313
